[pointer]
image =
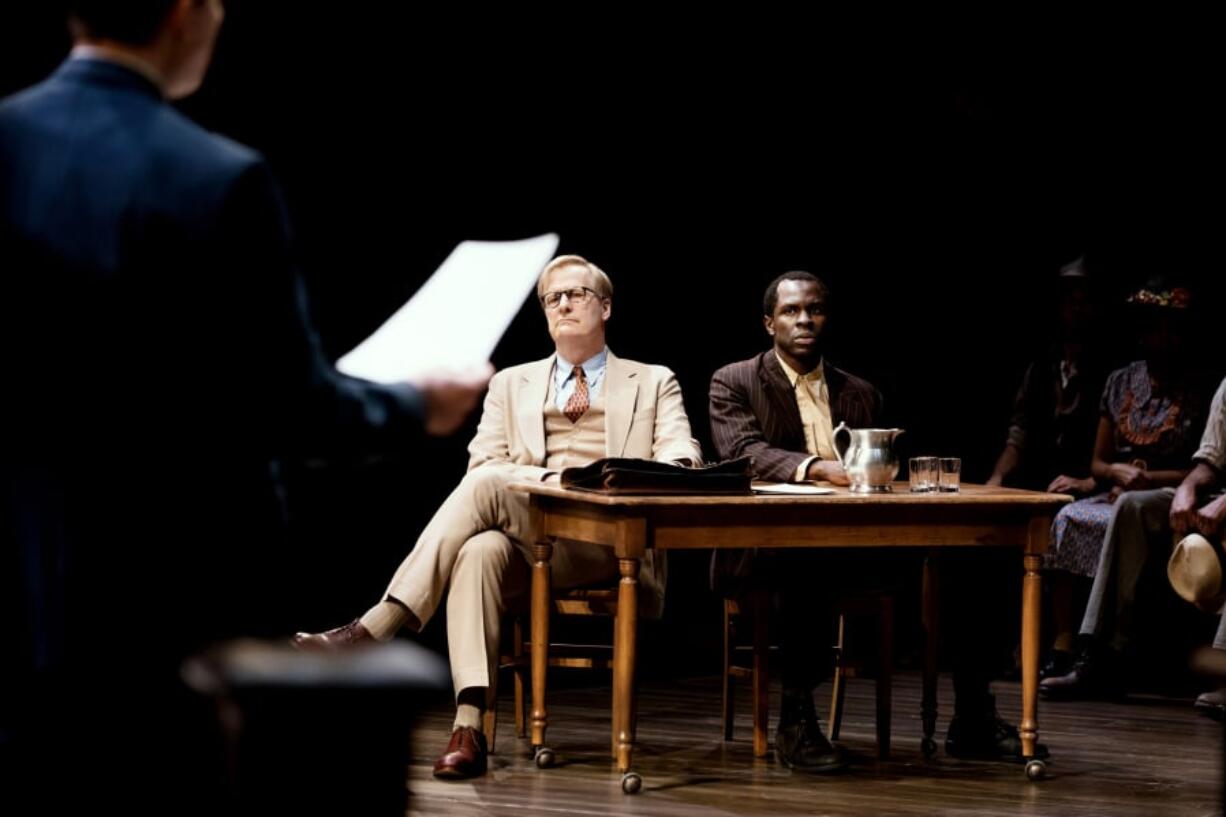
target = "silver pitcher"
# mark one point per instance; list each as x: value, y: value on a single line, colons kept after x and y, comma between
x: 869, y: 459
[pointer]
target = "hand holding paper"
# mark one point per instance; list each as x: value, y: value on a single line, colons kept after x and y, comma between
x: 450, y: 398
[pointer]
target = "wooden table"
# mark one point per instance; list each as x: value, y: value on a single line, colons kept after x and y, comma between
x: 977, y: 516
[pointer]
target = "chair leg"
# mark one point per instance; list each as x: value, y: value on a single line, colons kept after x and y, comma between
x: 489, y: 720
x: 520, y: 670
x: 761, y: 673
x: 838, y: 684
x: 728, y: 686
x: 932, y: 628
x: 885, y: 675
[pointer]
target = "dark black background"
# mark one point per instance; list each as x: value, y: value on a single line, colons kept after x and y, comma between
x: 936, y: 181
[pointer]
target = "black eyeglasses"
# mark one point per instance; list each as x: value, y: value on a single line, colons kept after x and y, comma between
x: 576, y: 295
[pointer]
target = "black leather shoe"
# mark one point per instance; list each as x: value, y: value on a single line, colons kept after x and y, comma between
x: 800, y: 745
x: 338, y: 638
x: 465, y: 756
x: 986, y: 737
x: 1059, y: 663
x: 1212, y: 704
x: 1093, y: 676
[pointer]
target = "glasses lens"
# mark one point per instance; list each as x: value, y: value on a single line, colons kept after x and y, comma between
x: 578, y: 295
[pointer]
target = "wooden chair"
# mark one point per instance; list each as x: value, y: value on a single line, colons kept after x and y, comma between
x: 756, y: 609
x: 598, y: 601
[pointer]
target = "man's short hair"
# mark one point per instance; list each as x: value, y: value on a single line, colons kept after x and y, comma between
x: 134, y: 22
x: 602, y: 284
x: 772, y: 289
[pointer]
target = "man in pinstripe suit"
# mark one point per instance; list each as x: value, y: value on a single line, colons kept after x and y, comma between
x: 781, y: 407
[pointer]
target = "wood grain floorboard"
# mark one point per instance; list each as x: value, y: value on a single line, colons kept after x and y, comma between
x: 1149, y: 757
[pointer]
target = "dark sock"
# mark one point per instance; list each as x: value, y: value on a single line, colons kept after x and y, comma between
x: 796, y: 704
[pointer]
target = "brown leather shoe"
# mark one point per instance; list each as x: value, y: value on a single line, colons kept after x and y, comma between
x: 465, y: 755
x: 339, y: 638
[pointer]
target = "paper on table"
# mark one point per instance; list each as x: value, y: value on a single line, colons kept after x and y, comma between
x: 458, y: 316
x: 794, y: 488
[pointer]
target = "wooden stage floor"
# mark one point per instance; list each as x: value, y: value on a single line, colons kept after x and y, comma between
x: 1148, y: 756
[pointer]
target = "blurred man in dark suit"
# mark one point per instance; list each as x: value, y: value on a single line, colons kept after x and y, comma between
x: 160, y: 363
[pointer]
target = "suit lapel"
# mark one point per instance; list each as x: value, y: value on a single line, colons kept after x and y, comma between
x: 835, y: 383
x: 779, y: 391
x: 621, y: 390
x: 532, y: 391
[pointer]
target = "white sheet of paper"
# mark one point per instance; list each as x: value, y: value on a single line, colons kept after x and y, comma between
x: 790, y: 488
x: 458, y: 316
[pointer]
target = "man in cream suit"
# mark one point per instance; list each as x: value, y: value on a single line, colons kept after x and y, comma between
x: 575, y: 406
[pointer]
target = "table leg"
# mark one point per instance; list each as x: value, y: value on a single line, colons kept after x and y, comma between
x: 623, y: 672
x: 542, y: 552
x: 1030, y: 654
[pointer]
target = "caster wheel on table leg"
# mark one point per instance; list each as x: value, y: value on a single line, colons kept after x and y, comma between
x: 543, y: 758
x: 1036, y: 770
x: 929, y: 747
x: 631, y: 783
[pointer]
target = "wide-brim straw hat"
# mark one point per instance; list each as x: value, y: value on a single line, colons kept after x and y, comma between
x: 1195, y: 572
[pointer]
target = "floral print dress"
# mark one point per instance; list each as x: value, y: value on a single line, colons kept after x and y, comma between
x: 1157, y: 429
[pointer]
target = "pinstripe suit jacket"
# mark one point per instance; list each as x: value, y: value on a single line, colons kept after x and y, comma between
x: 754, y: 413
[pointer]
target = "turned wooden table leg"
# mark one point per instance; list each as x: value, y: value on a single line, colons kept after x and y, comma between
x: 542, y: 552
x: 623, y: 671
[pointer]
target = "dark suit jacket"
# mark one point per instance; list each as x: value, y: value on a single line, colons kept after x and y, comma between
x: 159, y: 359
x: 754, y: 413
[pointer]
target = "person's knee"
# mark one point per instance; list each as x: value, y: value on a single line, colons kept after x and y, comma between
x: 1147, y: 508
x: 484, y: 483
x: 1133, y: 504
x: 486, y: 478
x: 488, y: 550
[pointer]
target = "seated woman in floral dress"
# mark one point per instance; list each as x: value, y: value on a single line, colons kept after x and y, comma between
x: 1150, y: 417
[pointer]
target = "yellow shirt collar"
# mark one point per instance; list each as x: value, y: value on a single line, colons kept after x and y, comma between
x: 817, y: 375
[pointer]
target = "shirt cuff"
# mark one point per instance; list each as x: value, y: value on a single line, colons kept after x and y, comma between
x: 802, y: 470
x: 1017, y: 437
x: 1212, y: 456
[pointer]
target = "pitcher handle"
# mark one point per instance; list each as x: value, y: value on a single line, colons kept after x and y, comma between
x: 835, y: 439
